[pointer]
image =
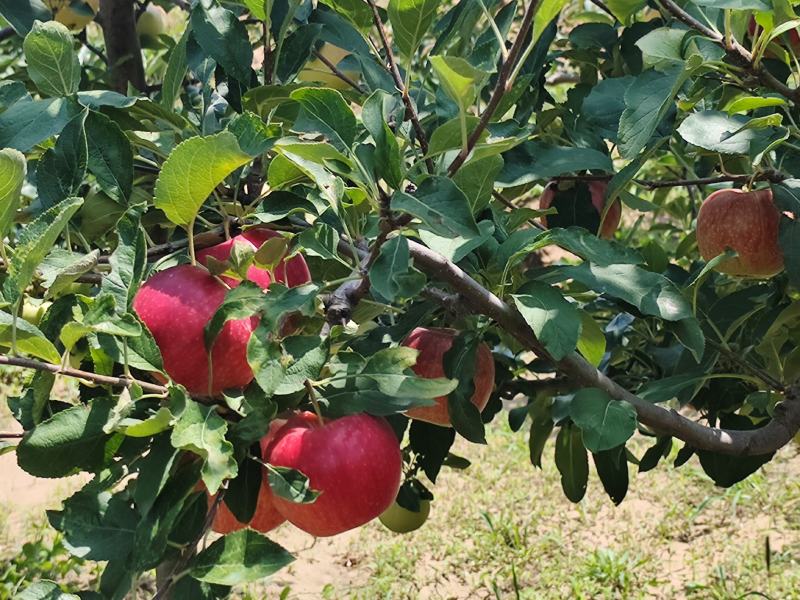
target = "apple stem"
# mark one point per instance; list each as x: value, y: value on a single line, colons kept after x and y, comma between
x: 313, y: 397
x: 190, y: 231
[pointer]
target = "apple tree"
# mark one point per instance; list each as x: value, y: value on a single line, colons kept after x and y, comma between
x: 287, y: 251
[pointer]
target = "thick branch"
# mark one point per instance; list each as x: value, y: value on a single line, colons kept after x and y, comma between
x: 501, y: 88
x: 774, y: 435
x: 122, y: 44
x: 411, y: 111
x: 27, y: 363
x: 735, y: 50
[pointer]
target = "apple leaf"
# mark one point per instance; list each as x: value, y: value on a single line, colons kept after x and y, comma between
x: 201, y: 430
x: 33, y: 244
x: 110, y: 156
x: 392, y: 275
x: 324, y: 111
x: 388, y: 369
x: 221, y: 34
x: 239, y: 557
x: 13, y: 169
x: 45, y: 590
x: 440, y: 205
x: 572, y: 462
x: 459, y: 364
x: 62, y: 168
x: 291, y: 484
x: 52, y: 61
x: 192, y: 171
x: 554, y: 320
x: 70, y: 440
x: 29, y: 340
x: 411, y: 20
x: 592, y: 342
x: 606, y: 423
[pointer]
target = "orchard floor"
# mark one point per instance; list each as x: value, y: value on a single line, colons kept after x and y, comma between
x: 502, y: 529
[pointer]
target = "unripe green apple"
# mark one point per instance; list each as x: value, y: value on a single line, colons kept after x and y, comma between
x: 33, y: 312
x: 151, y: 23
x: 98, y: 215
x: 401, y: 520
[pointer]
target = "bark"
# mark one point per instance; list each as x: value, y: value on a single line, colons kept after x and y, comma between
x: 118, y: 21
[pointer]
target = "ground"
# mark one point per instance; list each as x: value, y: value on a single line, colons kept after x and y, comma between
x: 503, y: 529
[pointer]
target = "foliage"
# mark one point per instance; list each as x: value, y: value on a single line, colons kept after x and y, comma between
x: 407, y: 189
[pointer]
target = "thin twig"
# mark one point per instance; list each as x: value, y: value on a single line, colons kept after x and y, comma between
x: 602, y: 6
x: 760, y: 373
x: 11, y: 436
x: 340, y: 74
x: 500, y: 89
x: 411, y: 111
x: 771, y: 176
x: 28, y: 363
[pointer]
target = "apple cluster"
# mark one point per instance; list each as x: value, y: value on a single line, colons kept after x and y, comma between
x: 353, y: 462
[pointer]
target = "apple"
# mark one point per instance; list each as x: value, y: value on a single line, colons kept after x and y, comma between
x: 292, y: 272
x: 401, y: 520
x: 266, y: 517
x: 570, y: 198
x: 432, y: 344
x: 98, y: 215
x: 745, y: 222
x: 33, y: 312
x: 317, y: 71
x: 354, y: 461
x: 75, y: 19
x: 152, y: 22
x: 175, y: 305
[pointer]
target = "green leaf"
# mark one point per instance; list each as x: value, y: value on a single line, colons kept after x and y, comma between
x: 13, y: 169
x: 760, y: 5
x: 460, y: 79
x: 259, y: 8
x: 623, y: 10
x: 392, y: 275
x: 533, y: 161
x: 192, y: 171
x: 128, y: 261
x: 309, y: 354
x: 201, y: 430
x: 555, y: 321
x: 69, y: 441
x: 789, y: 241
x: 603, y: 107
x: 662, y: 48
x: 110, y: 156
x: 29, y: 340
x: 291, y: 485
x: 647, y: 101
x: 325, y: 111
x: 45, y: 590
x: 592, y: 342
x: 254, y: 136
x: 22, y: 15
x: 388, y: 368
x: 546, y: 11
x: 224, y: 38
x: 651, y: 293
x: 459, y: 364
x: 572, y: 462
x: 411, y: 20
x: 176, y: 71
x: 661, y: 390
x: 440, y: 205
x: 30, y: 122
x: 388, y: 158
x: 355, y: 11
x: 589, y: 247
x: 748, y: 103
x: 62, y: 169
x: 34, y: 242
x: 239, y: 557
x: 52, y: 61
x: 612, y: 468
x: 320, y: 240
x: 606, y: 423
x: 728, y: 134
x: 455, y: 248
x: 61, y: 268
x: 476, y: 179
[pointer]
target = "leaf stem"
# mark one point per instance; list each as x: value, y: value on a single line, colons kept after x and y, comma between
x: 312, y: 396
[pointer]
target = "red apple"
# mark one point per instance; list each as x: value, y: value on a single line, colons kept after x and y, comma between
x: 175, y: 305
x: 597, y: 189
x: 292, y: 272
x: 266, y: 517
x: 354, y: 461
x: 746, y: 222
x: 432, y: 344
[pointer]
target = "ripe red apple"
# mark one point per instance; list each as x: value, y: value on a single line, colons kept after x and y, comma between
x: 746, y: 222
x: 354, y: 461
x: 432, y: 344
x: 266, y: 517
x: 175, y: 305
x: 292, y: 272
x: 597, y: 190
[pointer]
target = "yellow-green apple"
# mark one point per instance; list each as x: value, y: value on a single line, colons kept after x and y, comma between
x: 354, y: 462
x: 73, y: 15
x: 151, y: 23
x: 745, y: 222
x: 401, y: 520
x: 176, y: 304
x: 581, y: 198
x: 432, y: 344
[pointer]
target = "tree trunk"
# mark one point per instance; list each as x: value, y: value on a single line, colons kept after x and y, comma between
x: 122, y: 44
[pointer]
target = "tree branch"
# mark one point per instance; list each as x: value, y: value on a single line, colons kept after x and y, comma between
x: 771, y: 176
x: 500, y: 89
x: 774, y: 435
x: 27, y: 363
x: 336, y: 71
x: 735, y: 50
x: 118, y: 21
x: 411, y: 111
